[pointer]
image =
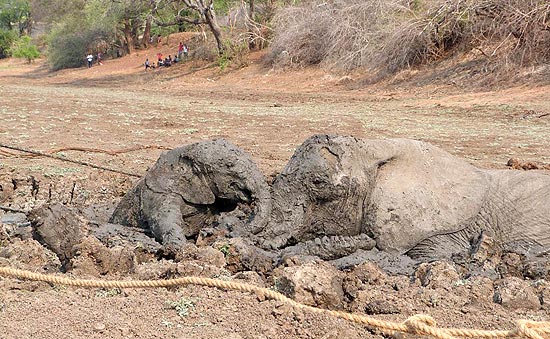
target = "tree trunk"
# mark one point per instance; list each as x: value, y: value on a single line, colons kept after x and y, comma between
x: 210, y: 19
x: 251, y: 40
x: 127, y: 30
x: 146, y: 33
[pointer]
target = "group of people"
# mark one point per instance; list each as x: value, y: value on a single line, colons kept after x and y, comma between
x: 183, y: 51
x: 90, y: 59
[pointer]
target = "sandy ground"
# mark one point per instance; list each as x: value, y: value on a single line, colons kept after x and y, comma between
x: 268, y: 113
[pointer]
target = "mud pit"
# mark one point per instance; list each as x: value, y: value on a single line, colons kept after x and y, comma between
x: 487, y: 288
x: 341, y: 197
x: 319, y: 232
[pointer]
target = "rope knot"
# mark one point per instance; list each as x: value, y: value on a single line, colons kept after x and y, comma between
x: 532, y: 329
x: 425, y: 324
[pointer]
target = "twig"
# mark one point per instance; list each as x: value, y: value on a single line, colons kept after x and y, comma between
x: 482, y: 52
x: 13, y: 210
x: 69, y: 160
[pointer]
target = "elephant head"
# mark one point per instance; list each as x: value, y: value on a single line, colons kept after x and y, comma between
x: 206, y: 184
x: 319, y: 193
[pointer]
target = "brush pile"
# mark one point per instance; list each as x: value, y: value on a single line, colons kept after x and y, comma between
x: 389, y: 36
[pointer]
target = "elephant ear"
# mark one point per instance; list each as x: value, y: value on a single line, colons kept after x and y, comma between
x: 422, y: 191
x: 177, y: 173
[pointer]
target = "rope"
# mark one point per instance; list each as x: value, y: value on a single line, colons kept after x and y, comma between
x: 419, y: 324
x: 69, y: 160
x: 97, y: 150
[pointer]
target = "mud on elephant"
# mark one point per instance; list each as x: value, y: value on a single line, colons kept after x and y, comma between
x: 194, y: 187
x: 340, y: 194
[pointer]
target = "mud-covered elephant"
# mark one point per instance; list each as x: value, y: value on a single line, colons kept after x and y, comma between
x: 339, y: 194
x: 206, y: 184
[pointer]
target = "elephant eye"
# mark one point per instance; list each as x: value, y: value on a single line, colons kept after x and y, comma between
x: 318, y: 181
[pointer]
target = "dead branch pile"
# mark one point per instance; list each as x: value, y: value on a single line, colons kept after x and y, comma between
x: 387, y: 36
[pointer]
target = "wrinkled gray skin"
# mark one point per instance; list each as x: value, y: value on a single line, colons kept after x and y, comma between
x: 339, y: 194
x: 196, y: 186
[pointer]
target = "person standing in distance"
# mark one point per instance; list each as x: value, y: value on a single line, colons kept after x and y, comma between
x: 90, y: 59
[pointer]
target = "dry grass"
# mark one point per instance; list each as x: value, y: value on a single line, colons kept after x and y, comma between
x: 388, y: 36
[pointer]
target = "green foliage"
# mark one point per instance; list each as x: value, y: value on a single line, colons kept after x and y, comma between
x: 7, y: 38
x: 223, y: 6
x: 164, y: 31
x: 69, y: 43
x: 224, y: 60
x: 234, y: 52
x: 15, y: 19
x: 182, y: 306
x: 55, y: 11
x: 24, y: 48
x: 15, y: 14
x: 225, y: 249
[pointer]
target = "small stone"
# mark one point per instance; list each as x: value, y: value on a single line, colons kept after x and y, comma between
x: 99, y: 327
x: 125, y: 331
x: 232, y: 336
x: 381, y: 307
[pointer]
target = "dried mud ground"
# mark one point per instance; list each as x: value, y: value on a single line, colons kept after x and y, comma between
x: 90, y: 114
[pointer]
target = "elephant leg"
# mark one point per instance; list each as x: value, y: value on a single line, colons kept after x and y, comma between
x: 165, y: 219
x: 445, y: 246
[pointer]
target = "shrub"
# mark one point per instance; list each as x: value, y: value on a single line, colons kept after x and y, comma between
x: 235, y: 53
x: 502, y: 31
x: 386, y: 36
x: 24, y: 48
x: 7, y: 38
x: 68, y: 50
x: 340, y: 35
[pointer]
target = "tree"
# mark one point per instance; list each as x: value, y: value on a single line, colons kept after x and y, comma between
x: 24, y: 48
x: 55, y: 11
x: 15, y: 15
x: 132, y: 17
x: 197, y: 12
x: 15, y: 19
x: 7, y: 38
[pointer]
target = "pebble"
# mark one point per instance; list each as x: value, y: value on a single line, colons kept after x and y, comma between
x: 125, y: 331
x: 99, y: 327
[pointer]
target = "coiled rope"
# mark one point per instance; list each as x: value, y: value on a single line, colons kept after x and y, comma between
x: 419, y: 324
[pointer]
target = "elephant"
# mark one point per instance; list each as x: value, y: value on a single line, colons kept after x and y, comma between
x: 340, y: 194
x: 201, y: 185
